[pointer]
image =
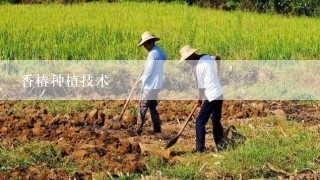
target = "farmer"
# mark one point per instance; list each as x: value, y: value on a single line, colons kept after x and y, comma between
x: 151, y: 81
x: 209, y: 88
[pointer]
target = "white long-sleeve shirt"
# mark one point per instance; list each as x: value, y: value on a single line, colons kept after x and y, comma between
x: 153, y: 69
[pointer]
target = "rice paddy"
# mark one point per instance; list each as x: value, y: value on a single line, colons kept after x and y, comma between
x: 112, y: 30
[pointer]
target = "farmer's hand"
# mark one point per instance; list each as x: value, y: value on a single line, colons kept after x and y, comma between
x: 198, y: 102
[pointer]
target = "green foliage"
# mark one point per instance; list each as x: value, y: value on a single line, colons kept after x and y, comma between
x: 33, y: 154
x: 111, y: 31
x: 63, y: 107
x: 297, y: 7
x: 42, y: 152
x: 9, y: 159
x: 134, y: 111
x: 293, y: 7
x: 296, y: 151
x: 178, y: 171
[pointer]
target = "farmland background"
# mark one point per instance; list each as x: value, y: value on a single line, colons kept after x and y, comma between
x: 112, y: 31
x: 82, y: 140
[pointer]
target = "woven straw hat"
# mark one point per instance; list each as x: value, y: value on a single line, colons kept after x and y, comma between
x: 185, y: 52
x: 147, y: 36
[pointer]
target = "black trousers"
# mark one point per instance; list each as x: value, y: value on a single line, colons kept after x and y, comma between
x: 148, y: 101
x: 213, y: 108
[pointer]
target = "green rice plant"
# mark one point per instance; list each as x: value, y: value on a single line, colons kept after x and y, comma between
x: 112, y: 31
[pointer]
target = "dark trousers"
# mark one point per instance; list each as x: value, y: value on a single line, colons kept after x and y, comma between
x: 213, y: 108
x: 146, y: 102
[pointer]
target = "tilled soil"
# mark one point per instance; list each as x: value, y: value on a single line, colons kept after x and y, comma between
x: 96, y: 134
x: 308, y: 112
x: 82, y: 136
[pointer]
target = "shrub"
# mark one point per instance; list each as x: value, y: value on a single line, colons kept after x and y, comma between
x: 292, y: 7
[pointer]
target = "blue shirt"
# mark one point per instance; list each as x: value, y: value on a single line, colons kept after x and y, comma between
x: 153, y: 69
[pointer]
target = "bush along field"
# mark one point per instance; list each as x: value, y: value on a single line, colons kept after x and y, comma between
x: 112, y: 31
x: 288, y: 7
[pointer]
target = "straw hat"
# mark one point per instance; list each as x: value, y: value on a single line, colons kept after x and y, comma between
x: 185, y: 52
x: 147, y: 36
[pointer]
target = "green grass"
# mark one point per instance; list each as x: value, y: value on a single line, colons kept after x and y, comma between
x: 294, y: 151
x: 69, y: 106
x: 291, y: 154
x: 65, y: 106
x: 158, y: 167
x: 33, y: 154
x: 308, y: 102
x: 112, y: 31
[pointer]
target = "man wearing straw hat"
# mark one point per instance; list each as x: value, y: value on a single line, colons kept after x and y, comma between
x: 209, y: 88
x: 151, y: 80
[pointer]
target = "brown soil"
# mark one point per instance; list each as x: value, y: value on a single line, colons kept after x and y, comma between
x: 95, y: 135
